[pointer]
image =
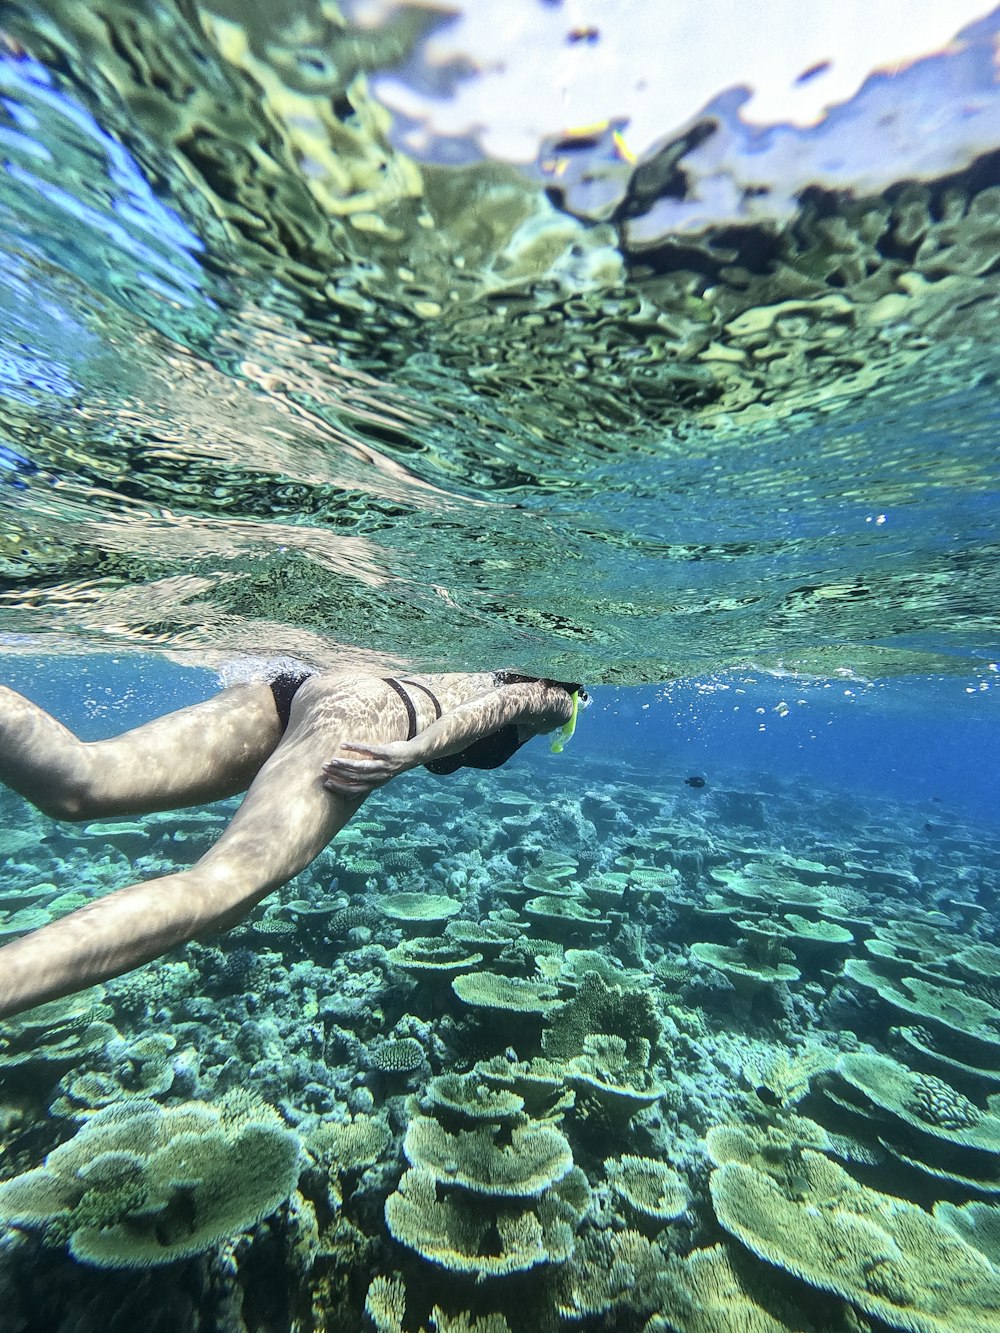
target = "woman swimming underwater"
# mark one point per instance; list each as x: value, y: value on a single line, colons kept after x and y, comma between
x: 307, y: 750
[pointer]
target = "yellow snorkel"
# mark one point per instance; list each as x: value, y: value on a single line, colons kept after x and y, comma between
x: 565, y: 732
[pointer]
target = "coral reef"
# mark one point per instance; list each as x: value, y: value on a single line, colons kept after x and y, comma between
x: 884, y: 1255
x: 763, y: 1095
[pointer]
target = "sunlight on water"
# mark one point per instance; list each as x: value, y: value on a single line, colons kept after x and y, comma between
x: 282, y: 374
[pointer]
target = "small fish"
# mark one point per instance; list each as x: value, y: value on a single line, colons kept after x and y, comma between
x: 695, y: 781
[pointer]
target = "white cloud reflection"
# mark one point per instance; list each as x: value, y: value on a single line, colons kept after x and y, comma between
x: 538, y: 69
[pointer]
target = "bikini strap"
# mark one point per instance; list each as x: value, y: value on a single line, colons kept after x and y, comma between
x: 433, y: 697
x: 411, y: 712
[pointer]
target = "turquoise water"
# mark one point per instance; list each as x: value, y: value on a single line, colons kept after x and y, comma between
x: 695, y: 1026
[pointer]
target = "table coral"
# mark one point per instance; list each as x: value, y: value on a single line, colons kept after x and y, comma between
x: 140, y: 1185
x: 884, y: 1255
x: 534, y: 1159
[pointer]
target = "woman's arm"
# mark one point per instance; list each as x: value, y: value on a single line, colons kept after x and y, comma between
x: 531, y: 704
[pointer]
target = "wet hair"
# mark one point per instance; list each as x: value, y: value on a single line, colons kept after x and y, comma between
x: 515, y: 678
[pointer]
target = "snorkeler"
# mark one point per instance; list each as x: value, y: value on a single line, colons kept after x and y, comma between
x: 307, y: 750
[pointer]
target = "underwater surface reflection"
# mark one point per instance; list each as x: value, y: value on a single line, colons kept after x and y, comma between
x: 282, y: 374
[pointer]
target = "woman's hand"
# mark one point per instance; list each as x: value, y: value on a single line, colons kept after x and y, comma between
x: 375, y: 766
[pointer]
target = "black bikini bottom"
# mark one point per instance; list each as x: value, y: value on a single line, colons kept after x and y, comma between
x: 284, y: 689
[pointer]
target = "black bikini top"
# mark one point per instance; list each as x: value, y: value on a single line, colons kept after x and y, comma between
x: 489, y: 752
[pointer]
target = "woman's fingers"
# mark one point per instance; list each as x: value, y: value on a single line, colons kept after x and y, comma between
x: 348, y: 786
x: 392, y: 751
x: 358, y: 766
x: 374, y: 766
x: 354, y: 775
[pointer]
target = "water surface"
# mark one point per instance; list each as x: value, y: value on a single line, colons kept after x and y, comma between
x: 281, y: 374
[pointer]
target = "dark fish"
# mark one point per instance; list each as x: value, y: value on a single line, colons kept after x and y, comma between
x: 695, y: 781
x: 820, y: 67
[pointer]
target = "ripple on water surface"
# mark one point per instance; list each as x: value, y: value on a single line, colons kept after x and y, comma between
x: 285, y: 374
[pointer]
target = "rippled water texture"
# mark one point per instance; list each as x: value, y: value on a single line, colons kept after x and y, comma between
x: 283, y: 370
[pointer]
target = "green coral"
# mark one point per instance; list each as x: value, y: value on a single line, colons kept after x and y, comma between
x: 458, y: 1234
x: 23, y: 920
x: 385, y: 1304
x: 612, y: 1271
x: 349, y: 1145
x: 920, y: 1101
x: 624, y: 1011
x: 937, y: 1003
x: 464, y: 1322
x: 815, y: 934
x: 928, y: 1046
x: 398, y: 1055
x: 63, y: 1031
x: 650, y: 1188
x: 433, y: 956
x: 419, y: 909
x: 83, y: 1094
x: 717, y: 1291
x: 564, y: 917
x: 773, y: 1149
x: 610, y: 1087
x: 487, y: 938
x: 578, y: 962
x: 749, y: 969
x: 532, y: 1158
x: 469, y: 1097
x: 540, y: 1083
x: 782, y: 1077
x: 511, y: 995
x: 886, y: 1256
x: 140, y: 1185
x: 978, y: 1224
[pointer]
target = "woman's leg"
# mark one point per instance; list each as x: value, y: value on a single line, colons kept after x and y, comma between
x: 285, y: 821
x: 189, y: 757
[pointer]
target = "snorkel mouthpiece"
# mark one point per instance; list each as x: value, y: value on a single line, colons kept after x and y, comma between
x: 565, y: 732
